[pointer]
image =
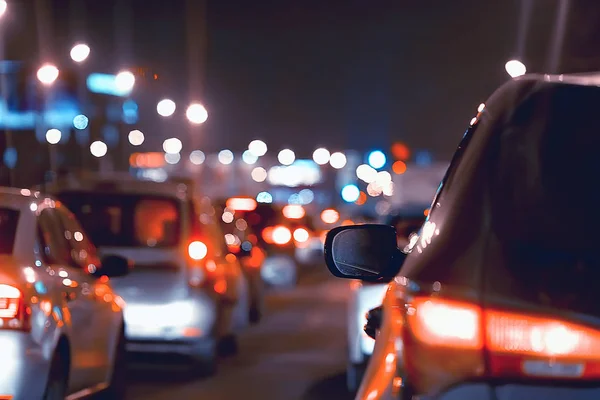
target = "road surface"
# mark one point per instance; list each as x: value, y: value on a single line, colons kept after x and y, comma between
x: 297, y: 352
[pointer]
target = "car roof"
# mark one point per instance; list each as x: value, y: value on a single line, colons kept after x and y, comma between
x: 19, y: 199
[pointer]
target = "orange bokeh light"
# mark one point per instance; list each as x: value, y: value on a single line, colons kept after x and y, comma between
x: 400, y: 151
x: 399, y: 167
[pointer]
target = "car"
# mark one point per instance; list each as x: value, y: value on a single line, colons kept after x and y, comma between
x: 61, y: 324
x: 497, y: 297
x: 178, y: 301
x: 365, y: 296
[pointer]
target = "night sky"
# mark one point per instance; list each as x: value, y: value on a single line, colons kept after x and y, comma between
x: 341, y: 74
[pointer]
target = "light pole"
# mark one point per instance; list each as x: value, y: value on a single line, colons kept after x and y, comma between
x: 47, y: 74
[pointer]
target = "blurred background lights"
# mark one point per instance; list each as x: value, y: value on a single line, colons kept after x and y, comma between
x: 166, y: 107
x: 377, y: 159
x: 350, y: 193
x: 249, y: 158
x: 80, y: 52
x: 47, y: 74
x: 258, y: 148
x: 98, y: 149
x: 80, y: 122
x: 259, y: 174
x: 10, y: 158
x: 124, y: 81
x: 136, y: 137
x: 225, y: 157
x: 515, y: 68
x: 172, y: 158
x: 3, y: 7
x: 196, y: 113
x: 264, y: 197
x: 286, y: 157
x: 53, y: 136
x: 337, y: 160
x: 172, y: 146
x: 366, y: 173
x: 321, y: 156
x: 197, y: 157
x: 330, y: 216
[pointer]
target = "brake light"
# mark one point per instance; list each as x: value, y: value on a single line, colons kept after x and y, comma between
x: 10, y: 298
x: 301, y: 235
x: 517, y: 344
x: 197, y: 250
x: 281, y: 235
x: 14, y: 314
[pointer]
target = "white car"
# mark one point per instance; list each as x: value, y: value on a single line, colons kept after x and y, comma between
x: 366, y: 296
x: 178, y: 298
x: 61, y: 325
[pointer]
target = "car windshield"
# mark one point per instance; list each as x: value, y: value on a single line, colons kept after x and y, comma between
x: 545, y: 196
x: 126, y: 220
x: 9, y: 219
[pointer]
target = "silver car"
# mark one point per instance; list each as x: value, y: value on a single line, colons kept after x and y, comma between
x: 61, y: 325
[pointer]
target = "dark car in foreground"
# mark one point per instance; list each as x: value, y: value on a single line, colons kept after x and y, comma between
x: 497, y: 298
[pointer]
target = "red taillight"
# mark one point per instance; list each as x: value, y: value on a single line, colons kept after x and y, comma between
x: 301, y: 235
x: 197, y: 250
x: 10, y: 300
x: 281, y: 235
x: 516, y: 344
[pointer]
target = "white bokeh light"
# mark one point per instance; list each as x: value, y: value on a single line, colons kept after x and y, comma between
x: 80, y: 52
x: 249, y: 158
x: 172, y: 146
x: 125, y: 81
x: 225, y: 157
x: 259, y: 174
x: 321, y: 156
x: 98, y: 149
x: 366, y: 173
x: 515, y: 68
x: 136, y: 137
x: 258, y: 148
x: 47, y: 74
x: 53, y: 136
x: 196, y: 113
x: 197, y: 157
x: 172, y: 158
x: 286, y: 157
x: 3, y: 7
x: 338, y: 160
x: 166, y: 107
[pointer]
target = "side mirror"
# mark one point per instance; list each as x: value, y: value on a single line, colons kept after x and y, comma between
x: 367, y: 252
x: 114, y: 266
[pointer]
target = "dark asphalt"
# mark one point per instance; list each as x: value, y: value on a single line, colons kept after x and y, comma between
x: 297, y: 352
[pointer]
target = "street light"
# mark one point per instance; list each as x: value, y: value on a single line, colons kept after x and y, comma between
x: 80, y: 52
x: 321, y: 156
x: 53, y: 136
x: 166, y: 107
x: 125, y: 81
x: 258, y: 148
x: 47, y: 74
x: 136, y: 137
x: 286, y: 157
x: 3, y: 7
x: 172, y: 146
x: 515, y: 68
x: 196, y: 114
x: 98, y: 149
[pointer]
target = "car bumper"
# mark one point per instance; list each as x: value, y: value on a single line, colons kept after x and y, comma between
x: 23, y: 366
x: 198, y: 347
x: 181, y: 321
x: 485, y: 391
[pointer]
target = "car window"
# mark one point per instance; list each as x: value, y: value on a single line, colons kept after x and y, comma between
x: 127, y: 220
x: 83, y: 252
x: 9, y: 220
x: 51, y: 236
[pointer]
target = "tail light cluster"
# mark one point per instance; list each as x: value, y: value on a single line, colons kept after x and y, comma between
x: 14, y: 313
x: 517, y: 345
x: 282, y: 235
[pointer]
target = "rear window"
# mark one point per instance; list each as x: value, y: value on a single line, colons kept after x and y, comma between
x: 545, y: 197
x: 8, y: 229
x: 126, y: 220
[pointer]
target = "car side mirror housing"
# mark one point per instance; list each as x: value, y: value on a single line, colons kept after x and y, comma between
x: 114, y: 266
x: 367, y: 252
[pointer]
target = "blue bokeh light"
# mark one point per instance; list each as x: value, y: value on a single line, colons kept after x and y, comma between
x: 377, y: 159
x: 350, y: 193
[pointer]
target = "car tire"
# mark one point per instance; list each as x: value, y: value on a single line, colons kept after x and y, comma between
x: 56, y: 387
x: 228, y: 346
x: 117, y: 388
x: 354, y: 376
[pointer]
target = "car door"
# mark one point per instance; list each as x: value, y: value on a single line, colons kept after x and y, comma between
x: 96, y: 296
x: 77, y: 308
